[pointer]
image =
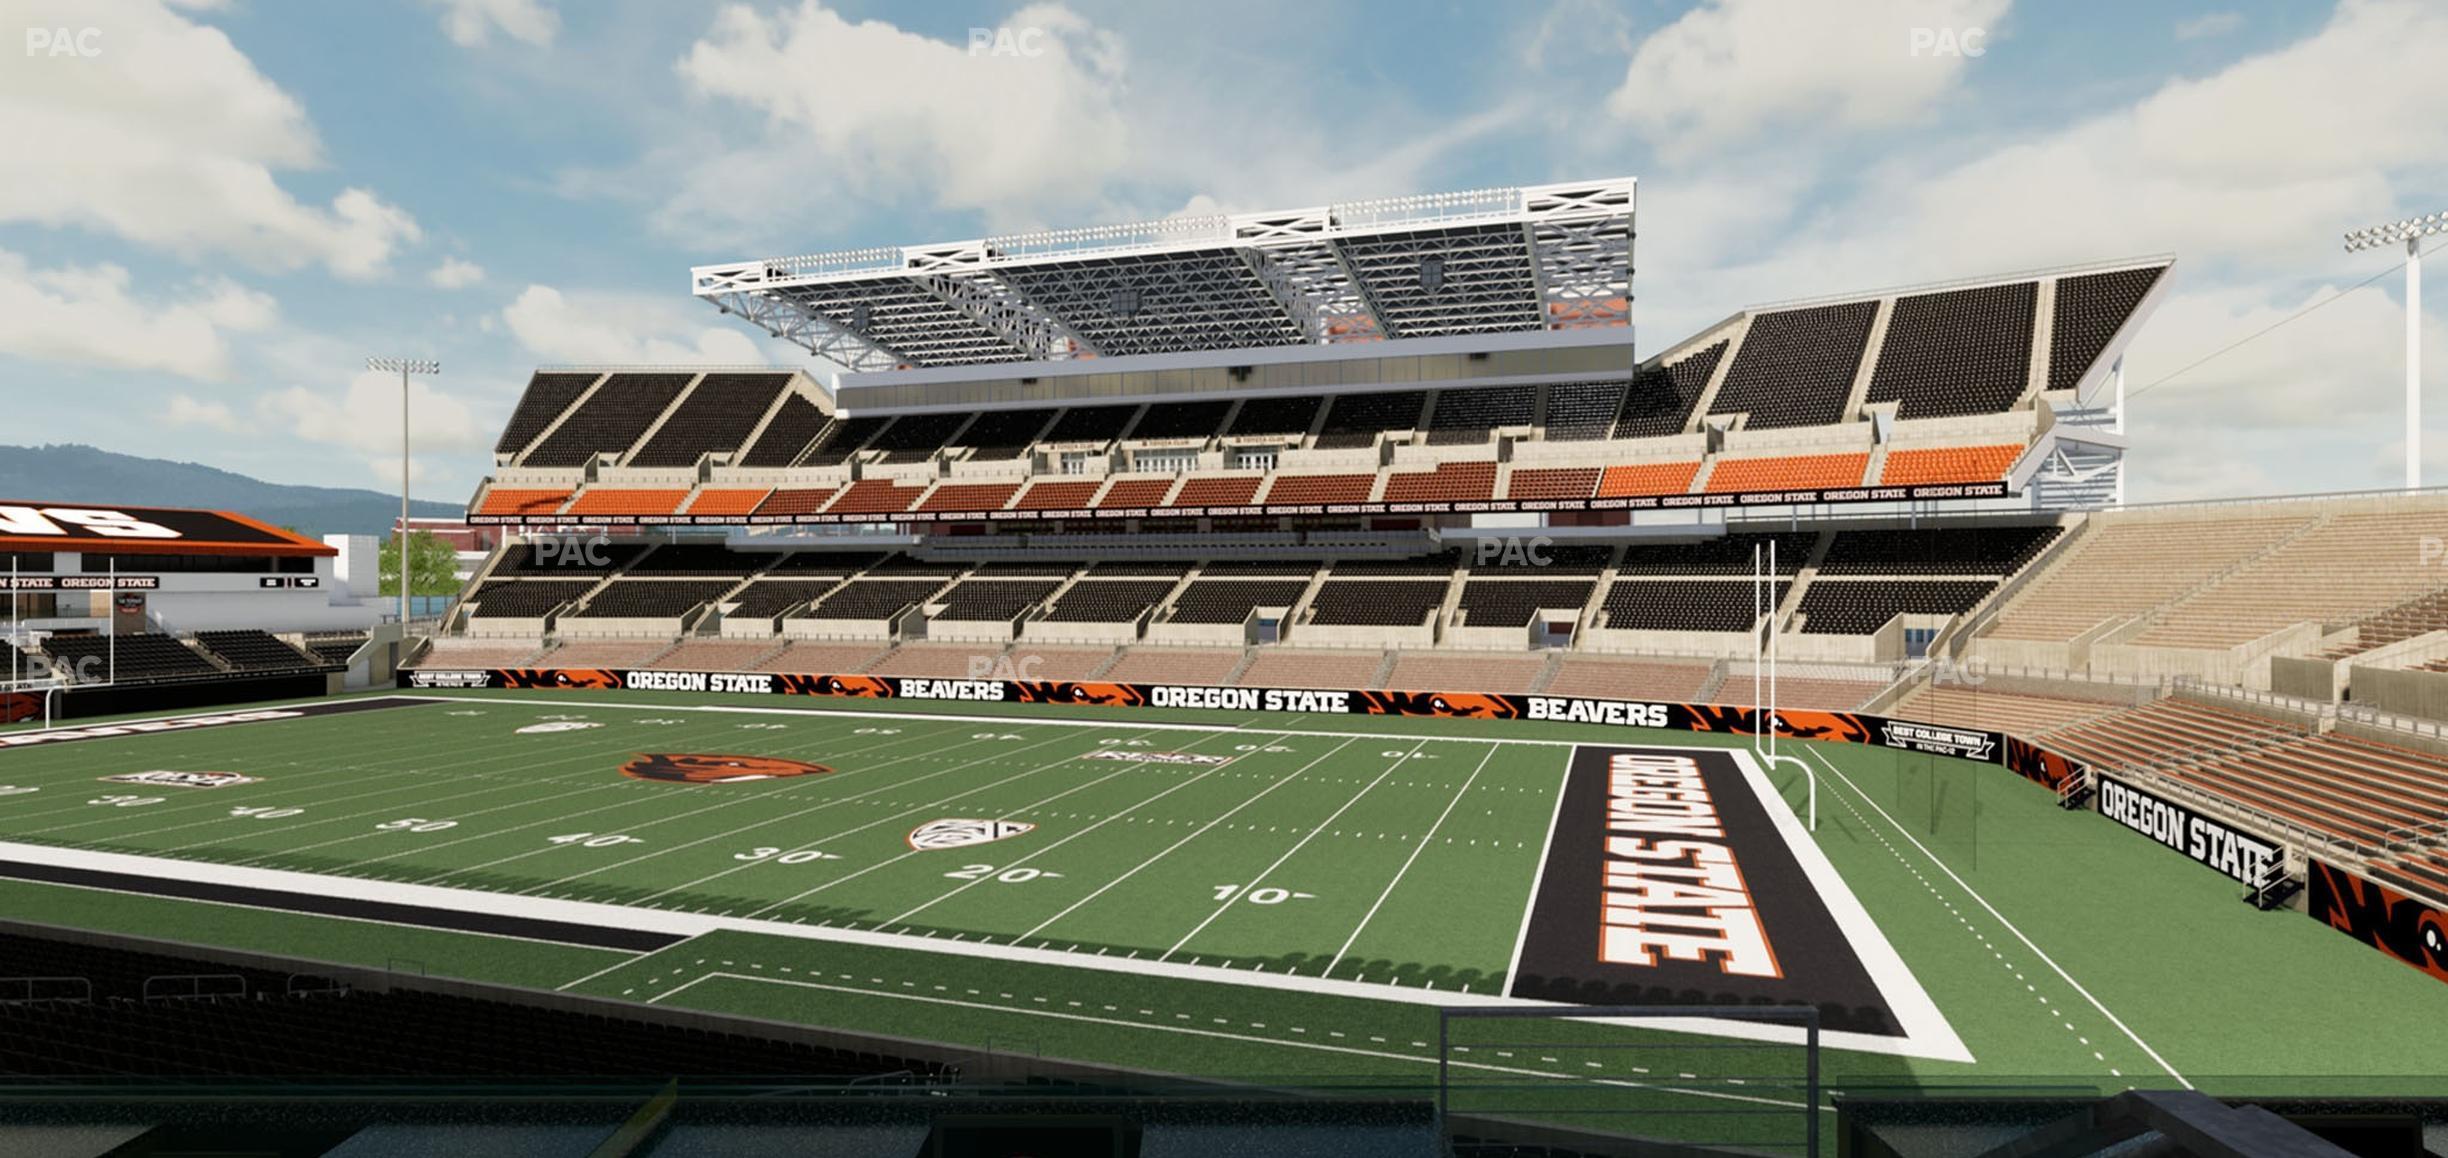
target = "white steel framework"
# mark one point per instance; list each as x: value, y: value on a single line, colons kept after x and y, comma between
x: 1483, y: 261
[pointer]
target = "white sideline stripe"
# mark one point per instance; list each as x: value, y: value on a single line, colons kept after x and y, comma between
x: 618, y: 965
x: 1408, y: 861
x: 611, y: 916
x: 1036, y: 721
x: 1225, y: 1035
x: 1289, y: 853
x: 2028, y: 943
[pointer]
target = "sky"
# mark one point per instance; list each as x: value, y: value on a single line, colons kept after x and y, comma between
x: 213, y: 211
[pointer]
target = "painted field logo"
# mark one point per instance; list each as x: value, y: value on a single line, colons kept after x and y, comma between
x: 938, y: 835
x: 702, y: 768
x: 1134, y: 757
x: 556, y: 726
x: 165, y: 779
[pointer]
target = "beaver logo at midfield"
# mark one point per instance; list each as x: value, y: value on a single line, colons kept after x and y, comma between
x: 704, y: 768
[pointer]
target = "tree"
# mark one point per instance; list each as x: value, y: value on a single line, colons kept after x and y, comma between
x: 433, y: 567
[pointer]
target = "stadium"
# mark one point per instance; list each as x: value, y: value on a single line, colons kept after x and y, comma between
x: 1317, y: 680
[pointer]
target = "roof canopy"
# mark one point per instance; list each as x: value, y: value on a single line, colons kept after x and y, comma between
x: 35, y: 526
x: 1507, y: 260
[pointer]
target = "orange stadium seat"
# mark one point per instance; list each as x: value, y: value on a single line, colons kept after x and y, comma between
x: 1948, y: 464
x: 874, y: 496
x: 597, y: 501
x: 969, y: 497
x: 727, y: 502
x: 522, y: 502
x: 1137, y: 492
x: 1451, y: 482
x: 1057, y: 496
x: 1321, y: 488
x: 1647, y: 478
x: 795, y: 501
x: 1218, y: 492
x: 1565, y: 483
x: 1788, y: 472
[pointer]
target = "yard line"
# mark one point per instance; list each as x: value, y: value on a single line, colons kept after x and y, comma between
x: 2028, y: 943
x: 775, y: 790
x: 809, y: 844
x: 1168, y: 849
x: 626, y: 799
x: 1288, y: 853
x: 75, y: 773
x: 1049, y: 847
x: 889, y: 861
x: 1425, y: 841
x: 618, y: 965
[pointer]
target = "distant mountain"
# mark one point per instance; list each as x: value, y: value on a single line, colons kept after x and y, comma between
x: 70, y: 473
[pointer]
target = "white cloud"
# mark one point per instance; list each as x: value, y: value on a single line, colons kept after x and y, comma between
x: 364, y: 417
x: 455, y: 273
x: 186, y: 410
x: 91, y: 316
x: 471, y: 23
x: 885, y: 113
x: 170, y: 138
x: 621, y: 329
x: 1734, y: 68
x: 2208, y: 25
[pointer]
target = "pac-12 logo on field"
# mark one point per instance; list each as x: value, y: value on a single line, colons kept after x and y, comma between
x: 937, y: 835
x: 702, y: 768
x: 167, y: 779
x: 556, y: 726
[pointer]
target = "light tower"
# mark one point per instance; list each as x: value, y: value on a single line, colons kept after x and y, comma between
x: 405, y: 367
x: 2410, y: 232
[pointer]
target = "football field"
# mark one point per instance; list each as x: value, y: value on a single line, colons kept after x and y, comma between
x: 1204, y: 893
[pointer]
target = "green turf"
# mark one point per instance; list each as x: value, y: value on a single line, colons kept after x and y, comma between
x: 1415, y: 839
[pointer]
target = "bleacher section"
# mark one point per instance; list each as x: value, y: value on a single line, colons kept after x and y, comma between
x: 2090, y: 309
x: 1962, y: 351
x: 717, y: 417
x: 131, y: 657
x: 1682, y: 604
x: 257, y: 651
x: 1660, y: 399
x: 793, y: 430
x: 651, y: 598
x: 2122, y: 569
x: 609, y: 420
x: 1861, y: 606
x: 1796, y: 367
x: 546, y: 397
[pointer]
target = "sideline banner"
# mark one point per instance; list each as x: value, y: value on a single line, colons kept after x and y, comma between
x: 2243, y: 857
x: 2045, y: 768
x: 1992, y: 489
x: 2407, y: 928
